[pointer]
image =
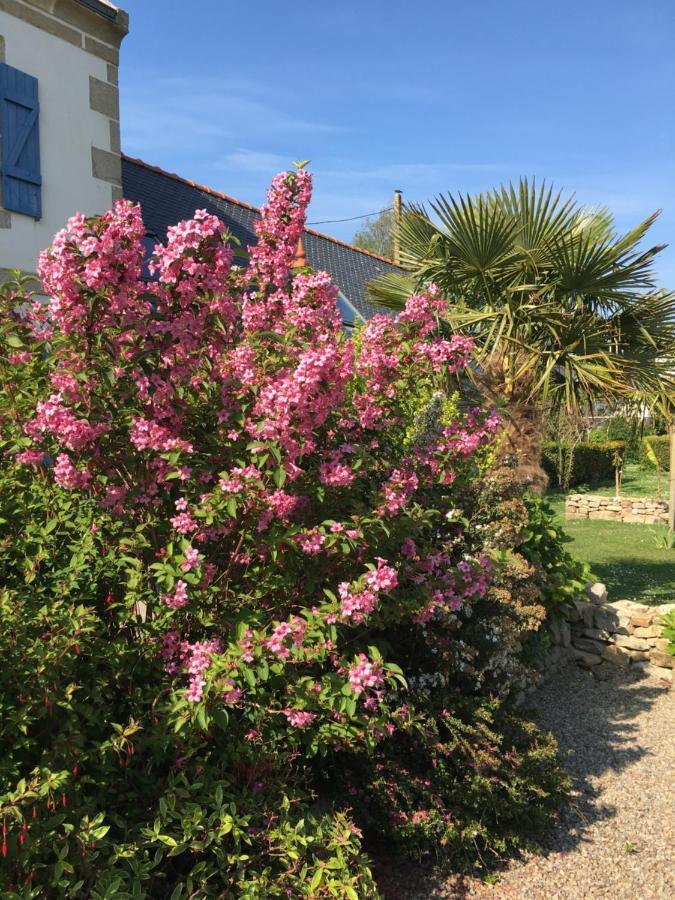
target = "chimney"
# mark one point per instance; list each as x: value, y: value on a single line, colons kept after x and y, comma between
x: 300, y: 260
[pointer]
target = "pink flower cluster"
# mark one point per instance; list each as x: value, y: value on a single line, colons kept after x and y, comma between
x: 149, y: 435
x: 299, y: 718
x: 277, y: 643
x: 192, y: 658
x: 195, y: 257
x: 358, y: 602
x: 67, y: 476
x: 54, y: 418
x: 336, y: 473
x: 450, y: 586
x: 106, y: 256
x: 365, y: 675
x: 248, y: 371
x: 179, y: 598
x: 279, y: 228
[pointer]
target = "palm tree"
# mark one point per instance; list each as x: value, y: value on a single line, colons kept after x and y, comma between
x: 564, y: 310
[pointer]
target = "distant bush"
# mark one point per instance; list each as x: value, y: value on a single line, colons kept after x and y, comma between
x: 624, y: 428
x: 593, y: 461
x: 659, y: 445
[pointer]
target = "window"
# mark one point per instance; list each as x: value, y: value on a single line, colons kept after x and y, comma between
x: 350, y: 316
x: 19, y: 132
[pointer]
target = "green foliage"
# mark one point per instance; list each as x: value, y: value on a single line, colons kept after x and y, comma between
x: 109, y: 787
x: 669, y: 631
x: 594, y: 462
x: 628, y: 429
x: 458, y: 784
x: 564, y: 308
x: 657, y: 451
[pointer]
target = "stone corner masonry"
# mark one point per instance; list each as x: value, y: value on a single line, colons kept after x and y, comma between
x: 98, y: 28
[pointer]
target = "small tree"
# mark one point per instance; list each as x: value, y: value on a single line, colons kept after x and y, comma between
x: 377, y: 235
x: 564, y: 310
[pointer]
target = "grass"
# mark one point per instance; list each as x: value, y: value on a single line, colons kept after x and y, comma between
x: 637, y: 482
x: 624, y: 556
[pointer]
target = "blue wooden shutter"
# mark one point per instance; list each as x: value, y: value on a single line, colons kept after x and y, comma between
x: 20, y: 136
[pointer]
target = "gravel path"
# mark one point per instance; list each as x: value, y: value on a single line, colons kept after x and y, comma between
x: 617, y: 838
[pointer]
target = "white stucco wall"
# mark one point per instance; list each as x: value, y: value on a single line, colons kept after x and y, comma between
x: 68, y: 129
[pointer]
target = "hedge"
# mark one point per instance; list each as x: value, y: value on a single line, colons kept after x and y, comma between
x: 593, y: 461
x: 660, y: 445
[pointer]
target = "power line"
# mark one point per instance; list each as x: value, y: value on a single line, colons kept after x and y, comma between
x: 351, y: 218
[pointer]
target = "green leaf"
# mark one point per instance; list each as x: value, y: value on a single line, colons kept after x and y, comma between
x: 222, y: 720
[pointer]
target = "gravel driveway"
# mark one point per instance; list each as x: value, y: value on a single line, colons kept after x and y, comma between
x: 617, y: 838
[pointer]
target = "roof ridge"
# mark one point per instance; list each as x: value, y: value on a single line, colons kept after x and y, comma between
x: 223, y: 196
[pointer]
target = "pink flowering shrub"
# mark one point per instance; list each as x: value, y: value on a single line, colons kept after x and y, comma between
x: 226, y: 549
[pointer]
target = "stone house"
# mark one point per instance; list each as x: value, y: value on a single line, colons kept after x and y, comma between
x: 60, y: 150
x: 59, y: 119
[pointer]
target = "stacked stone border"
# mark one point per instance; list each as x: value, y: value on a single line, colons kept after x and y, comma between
x: 646, y: 510
x: 599, y: 635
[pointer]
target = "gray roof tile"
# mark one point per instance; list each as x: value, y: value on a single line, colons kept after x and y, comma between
x: 166, y: 199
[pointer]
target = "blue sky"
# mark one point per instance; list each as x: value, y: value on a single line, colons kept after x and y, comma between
x: 428, y: 97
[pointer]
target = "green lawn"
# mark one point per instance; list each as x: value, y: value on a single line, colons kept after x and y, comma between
x: 637, y: 482
x: 623, y: 556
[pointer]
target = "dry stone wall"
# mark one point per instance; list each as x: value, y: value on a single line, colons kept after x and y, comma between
x: 599, y: 635
x: 646, y: 510
x: 621, y: 633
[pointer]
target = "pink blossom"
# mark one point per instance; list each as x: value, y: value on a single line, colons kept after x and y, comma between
x: 299, y: 718
x: 365, y: 675
x: 184, y: 523
x: 31, y: 457
x: 179, y: 598
x: 17, y: 359
x: 384, y: 578
x: 192, y: 559
x: 311, y: 542
x: 67, y: 476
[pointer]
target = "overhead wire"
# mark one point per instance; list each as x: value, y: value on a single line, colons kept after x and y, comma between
x: 352, y: 218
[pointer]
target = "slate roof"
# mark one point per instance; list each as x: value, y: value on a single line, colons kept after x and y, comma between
x: 166, y: 198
